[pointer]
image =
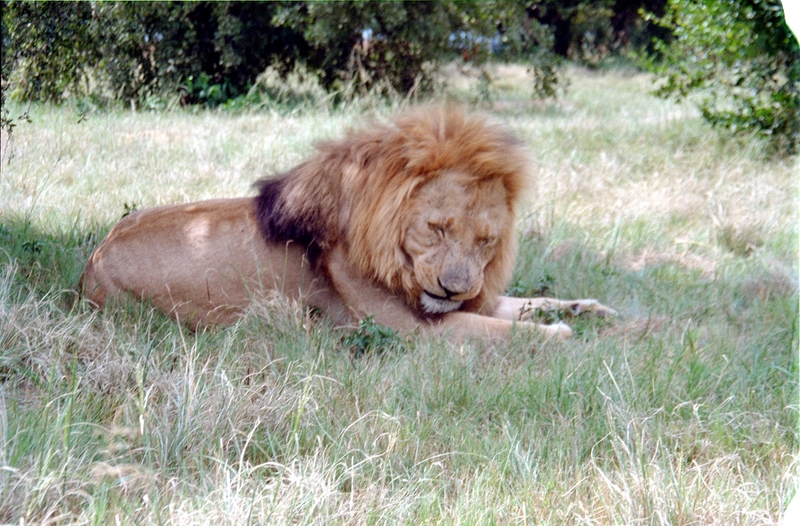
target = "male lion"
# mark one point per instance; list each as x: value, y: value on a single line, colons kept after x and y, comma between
x: 410, y: 222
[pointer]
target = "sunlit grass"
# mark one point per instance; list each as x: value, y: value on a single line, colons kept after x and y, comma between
x: 681, y: 410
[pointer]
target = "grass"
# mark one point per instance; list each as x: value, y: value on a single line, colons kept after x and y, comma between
x: 682, y: 410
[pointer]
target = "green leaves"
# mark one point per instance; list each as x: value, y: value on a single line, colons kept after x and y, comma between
x: 156, y: 55
x: 740, y: 64
x: 371, y: 336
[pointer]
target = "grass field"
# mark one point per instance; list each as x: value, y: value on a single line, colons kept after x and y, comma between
x: 681, y: 410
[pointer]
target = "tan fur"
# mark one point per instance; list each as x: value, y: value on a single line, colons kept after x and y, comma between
x: 200, y: 262
x: 411, y: 222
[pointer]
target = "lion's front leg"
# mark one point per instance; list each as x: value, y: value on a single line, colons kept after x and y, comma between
x: 471, y: 325
x: 364, y: 298
x: 520, y: 309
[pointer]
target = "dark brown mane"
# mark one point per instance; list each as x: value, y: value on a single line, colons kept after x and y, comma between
x: 280, y: 223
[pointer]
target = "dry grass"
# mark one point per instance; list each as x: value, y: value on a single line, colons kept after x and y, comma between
x: 683, y: 410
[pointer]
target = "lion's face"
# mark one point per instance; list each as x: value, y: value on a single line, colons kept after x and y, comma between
x: 451, y: 235
x: 423, y: 207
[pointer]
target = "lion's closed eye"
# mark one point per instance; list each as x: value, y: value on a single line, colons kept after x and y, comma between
x: 486, y: 241
x: 438, y: 228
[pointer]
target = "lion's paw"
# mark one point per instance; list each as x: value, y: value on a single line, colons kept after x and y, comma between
x: 579, y: 307
x: 559, y: 330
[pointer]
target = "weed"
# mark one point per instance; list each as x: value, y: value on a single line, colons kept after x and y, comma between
x: 371, y: 337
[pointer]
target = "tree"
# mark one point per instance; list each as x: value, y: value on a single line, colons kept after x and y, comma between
x: 366, y: 44
x: 46, y: 47
x: 588, y: 31
x: 739, y: 62
x: 131, y: 51
x: 211, y: 52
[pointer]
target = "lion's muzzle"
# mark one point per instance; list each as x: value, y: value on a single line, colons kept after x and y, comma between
x: 434, y: 304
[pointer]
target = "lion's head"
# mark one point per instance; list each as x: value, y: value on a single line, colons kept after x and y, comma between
x: 424, y: 205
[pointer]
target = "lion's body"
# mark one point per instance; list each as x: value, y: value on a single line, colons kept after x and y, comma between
x: 201, y: 262
x: 411, y: 223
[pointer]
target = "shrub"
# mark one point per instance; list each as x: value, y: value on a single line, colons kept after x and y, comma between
x: 202, y: 52
x: 739, y: 62
x: 211, y: 53
x: 46, y: 47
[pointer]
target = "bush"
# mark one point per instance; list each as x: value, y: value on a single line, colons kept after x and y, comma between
x: 739, y: 62
x: 201, y: 52
x: 379, y: 46
x: 46, y: 48
x: 211, y: 53
x: 589, y: 31
x: 395, y: 47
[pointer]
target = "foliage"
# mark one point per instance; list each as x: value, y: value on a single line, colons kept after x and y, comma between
x: 371, y: 336
x: 588, y: 31
x: 202, y: 52
x: 391, y: 46
x: 396, y: 45
x: 47, y: 45
x: 520, y: 37
x: 211, y: 53
x: 740, y: 63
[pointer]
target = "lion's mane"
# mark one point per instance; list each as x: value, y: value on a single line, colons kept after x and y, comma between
x: 356, y: 192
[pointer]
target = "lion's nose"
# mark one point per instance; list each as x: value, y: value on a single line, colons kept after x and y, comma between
x: 453, y: 286
x: 447, y: 292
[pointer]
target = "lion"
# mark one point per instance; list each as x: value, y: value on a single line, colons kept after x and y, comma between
x: 410, y: 222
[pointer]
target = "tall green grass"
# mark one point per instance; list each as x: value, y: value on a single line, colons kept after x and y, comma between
x: 681, y: 410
